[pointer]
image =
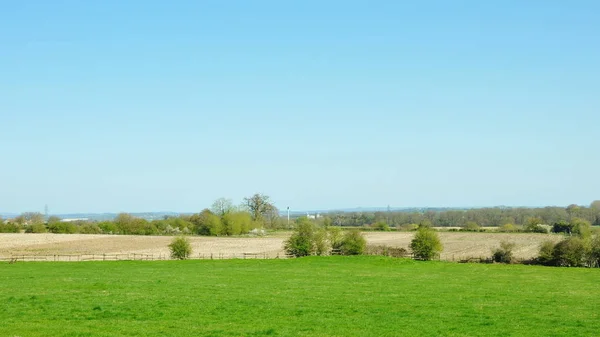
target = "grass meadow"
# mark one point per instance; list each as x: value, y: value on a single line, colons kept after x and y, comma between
x: 315, y: 296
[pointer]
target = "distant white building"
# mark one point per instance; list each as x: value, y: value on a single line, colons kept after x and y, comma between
x: 74, y: 219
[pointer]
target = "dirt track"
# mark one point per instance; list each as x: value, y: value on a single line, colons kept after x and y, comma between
x: 456, y: 245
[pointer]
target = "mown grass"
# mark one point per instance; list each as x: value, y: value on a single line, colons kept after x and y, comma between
x: 330, y: 296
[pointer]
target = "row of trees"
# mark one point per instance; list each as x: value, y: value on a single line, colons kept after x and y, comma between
x: 494, y: 217
x: 222, y: 218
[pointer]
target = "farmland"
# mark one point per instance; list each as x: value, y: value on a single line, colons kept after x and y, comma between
x: 315, y: 296
x: 457, y: 245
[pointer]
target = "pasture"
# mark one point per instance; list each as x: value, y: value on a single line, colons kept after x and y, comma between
x: 315, y: 296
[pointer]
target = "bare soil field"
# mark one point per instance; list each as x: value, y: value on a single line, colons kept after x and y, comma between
x: 456, y: 245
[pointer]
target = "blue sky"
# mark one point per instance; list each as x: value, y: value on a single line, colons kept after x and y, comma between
x: 109, y: 106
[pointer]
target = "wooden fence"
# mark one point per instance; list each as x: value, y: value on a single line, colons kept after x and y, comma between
x: 135, y: 257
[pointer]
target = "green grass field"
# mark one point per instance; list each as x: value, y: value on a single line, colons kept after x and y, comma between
x: 329, y: 296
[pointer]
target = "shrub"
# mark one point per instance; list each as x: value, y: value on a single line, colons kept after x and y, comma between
x: 426, y: 244
x: 508, y: 228
x: 9, y: 227
x: 236, y: 223
x: 381, y: 226
x: 562, y: 227
x: 90, y: 228
x: 546, y: 255
x: 569, y: 253
x: 504, y: 254
x: 335, y: 237
x: 36, y: 228
x: 353, y: 243
x: 582, y: 228
x: 302, y: 242
x: 180, y: 248
x: 594, y: 254
x: 471, y: 227
x: 109, y: 227
x: 62, y: 228
x: 535, y: 225
x: 205, y: 223
x: 322, y: 246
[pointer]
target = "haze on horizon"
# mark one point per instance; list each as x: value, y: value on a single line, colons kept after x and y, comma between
x: 154, y: 106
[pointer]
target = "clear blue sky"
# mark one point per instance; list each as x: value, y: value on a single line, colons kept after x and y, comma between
x: 109, y: 106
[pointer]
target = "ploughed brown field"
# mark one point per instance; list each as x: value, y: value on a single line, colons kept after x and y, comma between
x: 456, y: 245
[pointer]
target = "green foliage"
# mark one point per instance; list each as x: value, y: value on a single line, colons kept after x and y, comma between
x: 62, y: 228
x: 9, y: 227
x: 594, y: 253
x: 508, y: 228
x: 353, y: 243
x: 322, y: 245
x: 128, y: 224
x: 236, y: 223
x: 335, y: 237
x: 425, y: 223
x: 504, y: 254
x: 180, y: 247
x: 381, y: 226
x: 570, y: 252
x: 426, y: 244
x: 36, y: 228
x: 546, y: 254
x: 90, y: 228
x: 534, y: 225
x: 302, y: 241
x: 207, y: 223
x: 471, y: 226
x: 109, y: 227
x: 581, y: 227
x: 562, y: 226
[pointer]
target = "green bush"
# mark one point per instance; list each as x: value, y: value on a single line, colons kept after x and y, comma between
x: 90, y: 228
x: 322, y: 244
x: 335, y: 237
x: 546, y: 255
x: 180, y: 248
x: 582, y: 228
x: 426, y: 244
x: 36, y: 228
x: 508, y: 228
x: 570, y: 252
x: 302, y: 241
x: 62, y: 228
x: 109, y: 227
x: 471, y: 226
x: 353, y: 243
x: 381, y: 226
x: 562, y: 227
x: 206, y: 223
x: 594, y: 253
x: 504, y: 254
x: 9, y: 227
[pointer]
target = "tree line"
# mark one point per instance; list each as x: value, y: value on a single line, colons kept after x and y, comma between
x: 223, y: 218
x: 258, y: 212
x: 488, y: 217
